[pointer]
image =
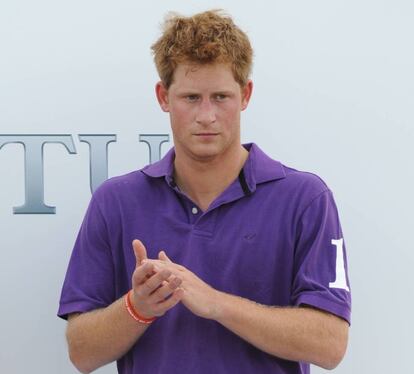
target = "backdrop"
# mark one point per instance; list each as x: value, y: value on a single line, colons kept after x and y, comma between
x: 333, y: 95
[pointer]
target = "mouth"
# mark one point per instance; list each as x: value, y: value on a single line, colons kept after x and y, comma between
x: 207, y: 134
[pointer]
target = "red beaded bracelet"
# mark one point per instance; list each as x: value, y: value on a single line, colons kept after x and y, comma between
x: 133, y: 313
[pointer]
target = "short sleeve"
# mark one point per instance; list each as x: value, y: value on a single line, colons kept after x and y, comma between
x: 321, y: 267
x: 89, y: 281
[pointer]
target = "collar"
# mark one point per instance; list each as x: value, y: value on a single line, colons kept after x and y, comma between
x: 162, y: 168
x: 258, y: 168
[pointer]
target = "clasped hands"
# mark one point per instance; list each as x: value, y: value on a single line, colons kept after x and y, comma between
x: 160, y: 284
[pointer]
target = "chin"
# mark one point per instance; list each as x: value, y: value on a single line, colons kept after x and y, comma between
x: 205, y: 152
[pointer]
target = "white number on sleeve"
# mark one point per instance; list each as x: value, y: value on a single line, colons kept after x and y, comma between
x: 340, y: 281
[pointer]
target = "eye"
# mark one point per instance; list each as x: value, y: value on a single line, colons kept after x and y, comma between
x: 220, y: 97
x: 191, y: 98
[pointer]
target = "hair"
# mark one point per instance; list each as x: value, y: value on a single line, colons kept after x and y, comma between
x: 205, y: 38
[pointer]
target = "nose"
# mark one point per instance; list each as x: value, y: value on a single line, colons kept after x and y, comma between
x: 206, y: 113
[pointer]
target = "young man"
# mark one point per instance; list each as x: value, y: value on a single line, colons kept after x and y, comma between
x: 240, y: 263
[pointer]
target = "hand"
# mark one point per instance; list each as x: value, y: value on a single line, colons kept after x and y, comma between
x: 200, y: 298
x: 154, y: 293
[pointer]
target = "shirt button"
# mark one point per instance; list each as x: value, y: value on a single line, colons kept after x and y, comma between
x: 194, y: 210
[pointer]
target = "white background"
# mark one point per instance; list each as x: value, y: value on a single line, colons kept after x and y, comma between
x: 334, y: 94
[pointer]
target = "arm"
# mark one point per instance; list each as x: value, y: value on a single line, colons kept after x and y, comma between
x: 101, y: 336
x: 295, y: 333
x: 291, y: 333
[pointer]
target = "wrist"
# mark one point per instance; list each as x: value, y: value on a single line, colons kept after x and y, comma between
x: 219, y: 304
x: 132, y: 311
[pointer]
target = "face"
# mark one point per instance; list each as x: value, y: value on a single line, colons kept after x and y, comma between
x: 204, y: 103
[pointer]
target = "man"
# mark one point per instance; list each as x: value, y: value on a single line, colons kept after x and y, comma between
x: 240, y: 263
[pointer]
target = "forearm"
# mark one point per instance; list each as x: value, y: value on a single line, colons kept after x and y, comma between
x: 102, y: 336
x: 292, y: 333
x: 297, y: 334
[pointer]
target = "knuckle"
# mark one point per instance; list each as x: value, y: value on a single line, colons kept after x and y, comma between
x: 174, y: 283
x: 163, y: 293
x: 135, y: 274
x: 165, y: 274
x: 165, y: 306
x: 144, y: 289
x: 147, y: 287
x: 138, y: 293
x: 154, y: 298
x: 158, y: 311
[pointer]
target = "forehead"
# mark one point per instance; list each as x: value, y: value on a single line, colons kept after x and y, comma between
x: 195, y: 76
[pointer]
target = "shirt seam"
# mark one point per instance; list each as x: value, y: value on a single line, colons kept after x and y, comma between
x: 311, y: 201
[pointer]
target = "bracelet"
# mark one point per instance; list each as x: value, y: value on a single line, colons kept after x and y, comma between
x: 133, y: 313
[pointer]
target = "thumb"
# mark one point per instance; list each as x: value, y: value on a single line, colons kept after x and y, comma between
x: 139, y: 251
x: 163, y: 256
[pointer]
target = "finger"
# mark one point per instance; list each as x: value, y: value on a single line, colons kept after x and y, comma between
x: 163, y: 256
x: 142, y: 273
x: 157, y: 263
x: 139, y: 251
x: 165, y: 291
x: 165, y: 282
x: 153, y: 283
x: 172, y: 301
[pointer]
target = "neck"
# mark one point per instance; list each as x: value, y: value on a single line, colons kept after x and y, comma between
x: 204, y: 181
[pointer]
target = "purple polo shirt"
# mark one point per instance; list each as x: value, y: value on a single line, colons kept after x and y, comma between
x: 273, y: 236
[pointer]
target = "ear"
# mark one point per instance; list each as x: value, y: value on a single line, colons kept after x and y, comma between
x: 162, y: 96
x: 246, y: 93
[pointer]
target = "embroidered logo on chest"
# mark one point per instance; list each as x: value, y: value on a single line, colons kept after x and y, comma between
x: 249, y: 237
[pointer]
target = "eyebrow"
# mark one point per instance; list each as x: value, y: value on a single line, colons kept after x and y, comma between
x: 191, y: 92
